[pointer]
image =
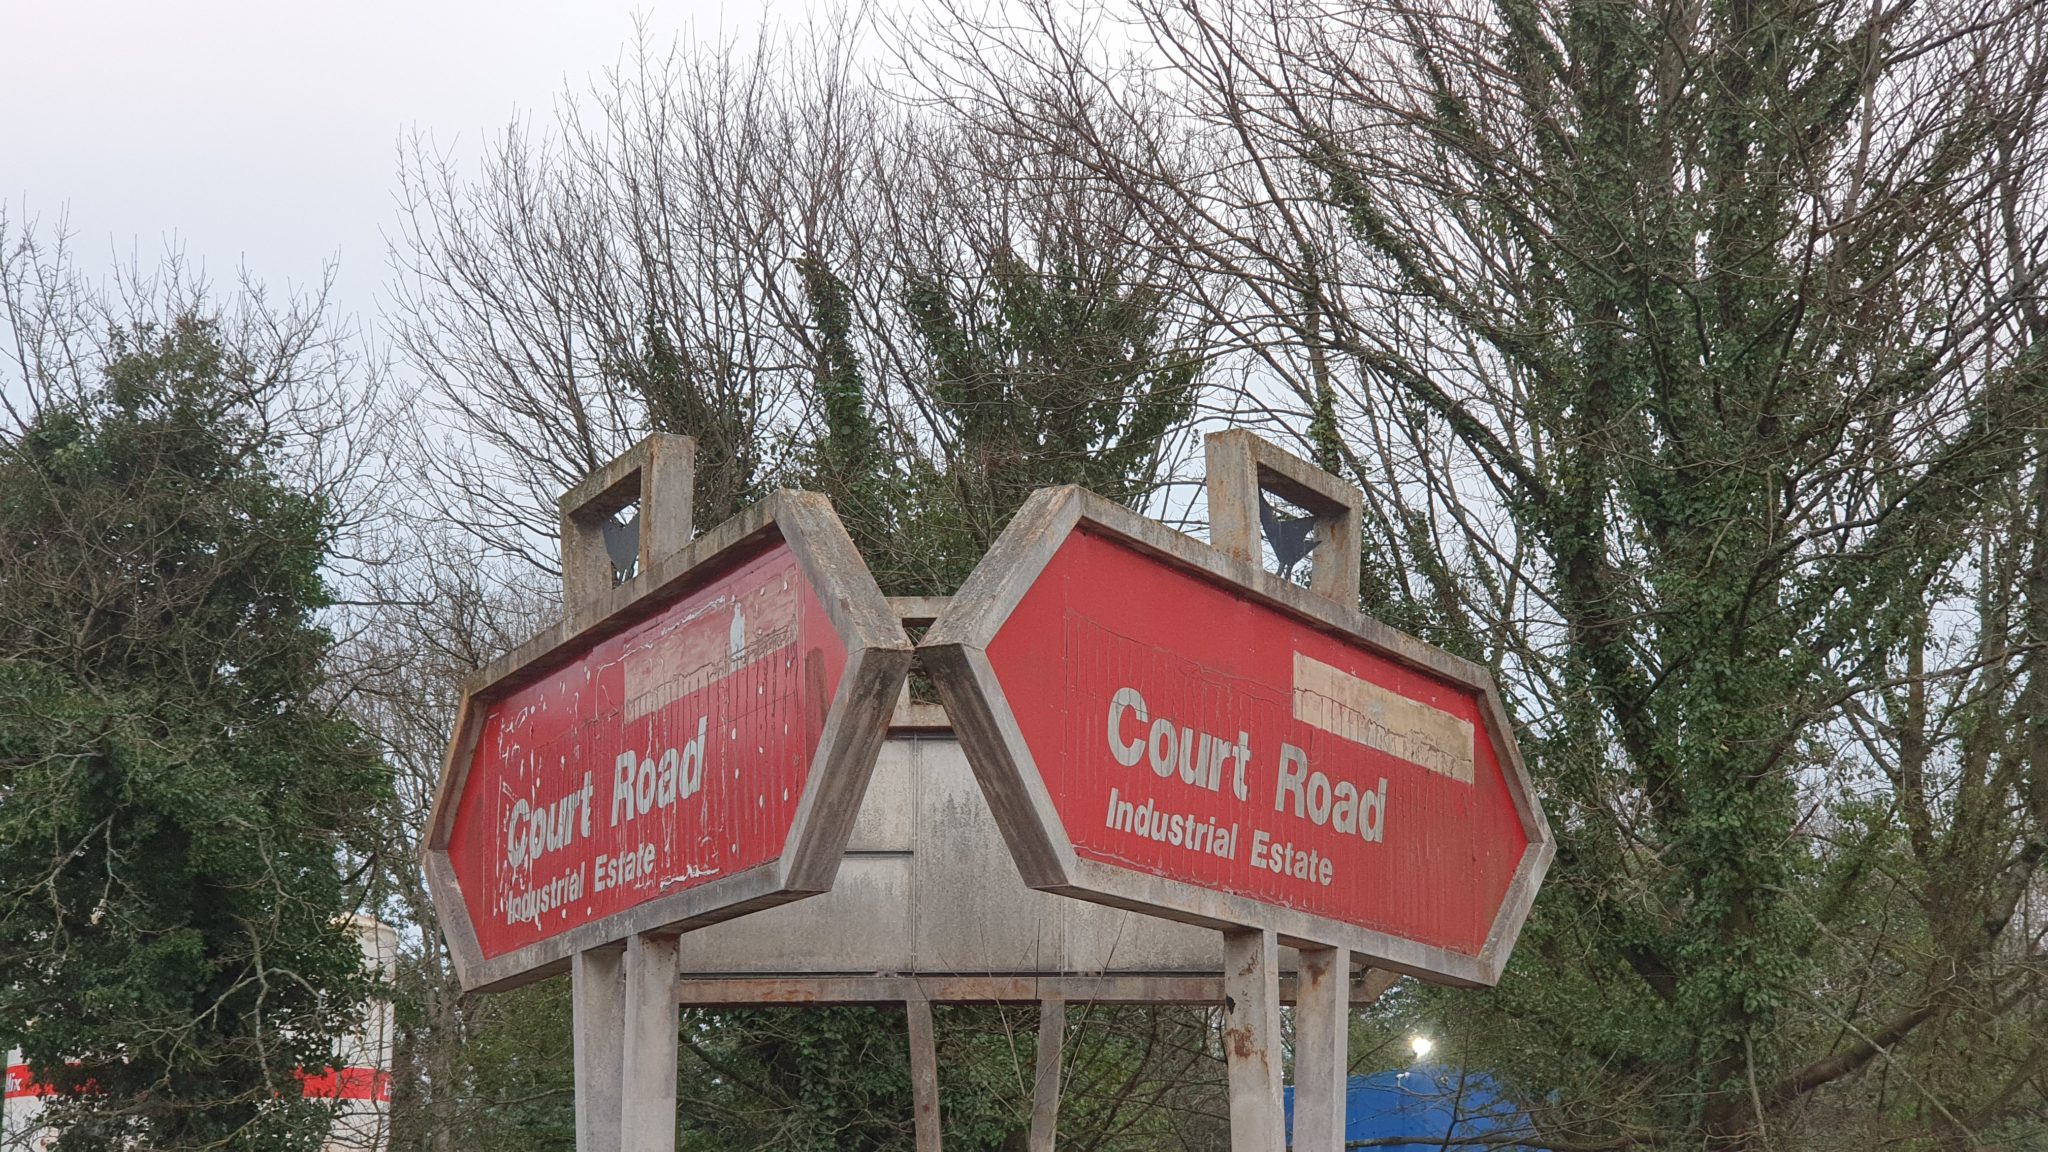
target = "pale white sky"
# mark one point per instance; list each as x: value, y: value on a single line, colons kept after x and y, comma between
x: 264, y: 132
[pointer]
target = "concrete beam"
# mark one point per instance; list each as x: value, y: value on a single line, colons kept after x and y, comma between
x: 797, y: 991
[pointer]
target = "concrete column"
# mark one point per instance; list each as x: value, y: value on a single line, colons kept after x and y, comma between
x: 1322, y: 1018
x: 1251, y: 1039
x: 1232, y: 478
x: 1241, y: 465
x: 1045, y: 1092
x: 598, y: 997
x: 647, y: 1112
x: 924, y: 1074
x: 668, y: 492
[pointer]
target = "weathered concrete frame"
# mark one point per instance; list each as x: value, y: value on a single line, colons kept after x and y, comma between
x: 1241, y: 465
x: 1365, y: 986
x: 659, y: 473
x: 878, y: 656
x: 955, y: 651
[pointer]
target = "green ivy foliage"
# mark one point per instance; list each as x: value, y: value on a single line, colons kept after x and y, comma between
x: 176, y: 796
x: 1713, y: 404
x: 1034, y: 376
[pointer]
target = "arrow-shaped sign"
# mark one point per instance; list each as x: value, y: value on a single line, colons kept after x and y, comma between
x: 1162, y: 727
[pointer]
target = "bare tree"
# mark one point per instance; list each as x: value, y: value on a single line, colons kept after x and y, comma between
x: 1686, y: 354
x: 631, y: 270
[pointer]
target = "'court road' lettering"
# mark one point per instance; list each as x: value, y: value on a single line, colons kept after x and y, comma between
x: 641, y: 784
x: 535, y: 830
x: 1342, y: 807
x: 1174, y: 749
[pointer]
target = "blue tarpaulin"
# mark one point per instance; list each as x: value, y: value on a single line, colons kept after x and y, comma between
x: 1427, y: 1105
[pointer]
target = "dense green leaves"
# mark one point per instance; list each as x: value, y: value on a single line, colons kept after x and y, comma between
x: 175, y: 795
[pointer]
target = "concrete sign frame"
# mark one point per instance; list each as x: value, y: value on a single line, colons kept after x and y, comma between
x: 878, y: 657
x: 955, y: 650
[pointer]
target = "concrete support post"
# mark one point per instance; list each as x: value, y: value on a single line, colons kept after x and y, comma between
x: 924, y: 1074
x: 1322, y: 1018
x: 1240, y: 466
x: 1045, y: 1092
x: 624, y: 1000
x: 648, y: 1070
x: 1232, y: 474
x: 598, y: 997
x: 668, y: 493
x: 1251, y: 1039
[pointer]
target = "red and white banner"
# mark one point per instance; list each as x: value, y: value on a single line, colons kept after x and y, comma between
x: 327, y: 1084
x: 21, y: 1085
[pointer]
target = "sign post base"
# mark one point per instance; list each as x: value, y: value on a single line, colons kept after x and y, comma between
x: 598, y: 1002
x: 1251, y: 1039
x: 924, y: 1074
x: 647, y: 1116
x: 1045, y: 1090
x: 1322, y: 1018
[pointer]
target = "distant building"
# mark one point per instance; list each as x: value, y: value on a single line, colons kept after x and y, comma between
x: 360, y: 1079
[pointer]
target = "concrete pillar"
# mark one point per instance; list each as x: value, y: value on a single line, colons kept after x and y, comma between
x: 624, y: 1000
x: 924, y: 1074
x: 1322, y: 1018
x: 1241, y: 465
x: 598, y: 998
x: 1251, y: 1039
x: 1231, y: 473
x: 1045, y: 1091
x: 647, y: 1109
x: 659, y: 474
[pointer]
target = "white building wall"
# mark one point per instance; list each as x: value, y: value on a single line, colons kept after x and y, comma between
x: 20, y: 1105
x: 362, y: 1077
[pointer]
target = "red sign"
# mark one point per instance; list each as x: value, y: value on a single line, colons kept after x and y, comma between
x: 671, y: 754
x: 20, y: 1084
x: 347, y: 1084
x: 1195, y: 738
x: 696, y: 752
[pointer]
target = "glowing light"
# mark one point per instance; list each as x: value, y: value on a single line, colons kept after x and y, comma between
x: 1421, y: 1046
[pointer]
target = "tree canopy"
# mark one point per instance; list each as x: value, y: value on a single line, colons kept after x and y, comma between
x: 177, y: 794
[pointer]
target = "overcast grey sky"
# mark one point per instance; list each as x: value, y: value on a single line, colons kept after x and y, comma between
x: 263, y: 132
